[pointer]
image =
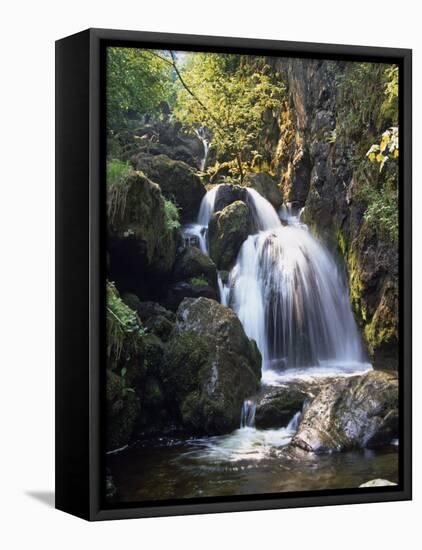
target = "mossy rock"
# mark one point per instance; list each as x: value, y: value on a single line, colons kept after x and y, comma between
x: 192, y: 263
x: 178, y: 181
x: 177, y: 292
x: 228, y: 193
x: 276, y: 407
x: 139, y: 229
x: 122, y: 413
x: 227, y: 231
x: 209, y: 368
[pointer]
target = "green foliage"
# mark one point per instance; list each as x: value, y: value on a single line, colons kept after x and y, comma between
x: 382, y: 212
x: 172, y: 215
x: 137, y: 80
x: 388, y: 148
x: 363, y: 108
x: 232, y: 99
x: 381, y: 207
x: 198, y: 281
x: 123, y: 325
x: 117, y: 172
x: 367, y: 105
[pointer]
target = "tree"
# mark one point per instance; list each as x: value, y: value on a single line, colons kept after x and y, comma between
x: 137, y: 80
x: 230, y: 97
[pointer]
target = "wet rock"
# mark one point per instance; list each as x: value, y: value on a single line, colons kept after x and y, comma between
x: 178, y: 181
x: 192, y: 263
x: 209, y: 367
x: 227, y: 230
x: 155, y: 318
x: 355, y: 412
x: 377, y: 483
x: 177, y: 292
x: 266, y: 186
x: 227, y: 194
x: 275, y: 407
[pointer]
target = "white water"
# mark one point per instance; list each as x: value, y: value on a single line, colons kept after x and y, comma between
x: 247, y: 417
x: 247, y: 443
x: 202, y: 135
x: 289, y: 295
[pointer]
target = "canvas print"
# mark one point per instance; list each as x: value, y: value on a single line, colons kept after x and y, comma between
x: 252, y: 279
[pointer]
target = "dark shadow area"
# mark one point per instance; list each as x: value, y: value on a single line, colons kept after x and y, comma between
x: 45, y: 497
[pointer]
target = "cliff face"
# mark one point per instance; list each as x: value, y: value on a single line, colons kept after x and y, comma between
x: 314, y: 170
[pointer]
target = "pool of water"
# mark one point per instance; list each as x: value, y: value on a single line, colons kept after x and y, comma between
x: 246, y: 462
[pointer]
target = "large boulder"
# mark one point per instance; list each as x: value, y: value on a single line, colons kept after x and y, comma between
x: 228, y: 193
x: 192, y: 263
x: 226, y: 232
x: 266, y: 186
x: 356, y: 412
x: 195, y: 288
x: 210, y: 367
x: 139, y: 231
x: 155, y: 318
x: 275, y: 407
x: 178, y: 181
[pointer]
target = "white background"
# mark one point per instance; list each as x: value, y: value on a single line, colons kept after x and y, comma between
x: 28, y: 31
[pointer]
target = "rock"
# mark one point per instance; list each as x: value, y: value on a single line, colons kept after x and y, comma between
x: 377, y: 483
x: 356, y: 412
x: 110, y: 490
x: 192, y: 263
x: 227, y: 230
x: 155, y: 318
x: 141, y: 243
x: 178, y: 181
x: 177, y: 292
x: 266, y: 186
x: 210, y: 367
x: 227, y: 194
x: 275, y: 407
x: 122, y: 412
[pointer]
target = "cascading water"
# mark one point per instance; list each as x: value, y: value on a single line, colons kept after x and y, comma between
x: 203, y: 135
x: 247, y: 417
x: 288, y: 293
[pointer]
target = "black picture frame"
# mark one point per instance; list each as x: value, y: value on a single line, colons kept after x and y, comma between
x: 80, y: 234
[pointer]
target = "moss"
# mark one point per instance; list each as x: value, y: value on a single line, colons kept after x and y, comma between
x: 227, y: 231
x: 141, y: 215
x: 124, y: 329
x: 383, y: 328
x: 198, y: 281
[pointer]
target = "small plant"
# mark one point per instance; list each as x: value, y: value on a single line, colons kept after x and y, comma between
x: 172, y: 215
x: 198, y: 281
x: 123, y: 325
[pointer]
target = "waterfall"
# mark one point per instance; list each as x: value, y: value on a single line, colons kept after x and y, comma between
x: 203, y: 135
x: 224, y: 290
x: 287, y: 291
x: 247, y: 416
x: 206, y: 209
